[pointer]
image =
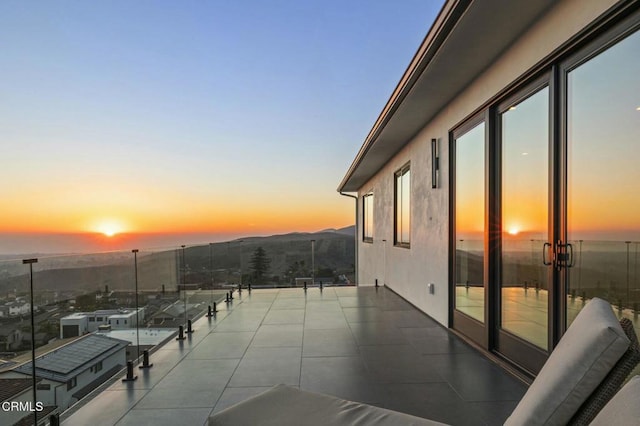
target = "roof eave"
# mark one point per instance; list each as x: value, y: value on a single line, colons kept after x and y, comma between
x: 465, y: 40
x: 444, y: 22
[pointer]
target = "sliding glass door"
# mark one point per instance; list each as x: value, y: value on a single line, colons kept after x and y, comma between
x: 469, y: 196
x: 523, y: 123
x: 545, y: 201
x: 603, y: 178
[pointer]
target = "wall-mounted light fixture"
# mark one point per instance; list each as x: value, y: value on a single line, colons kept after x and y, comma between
x: 435, y: 163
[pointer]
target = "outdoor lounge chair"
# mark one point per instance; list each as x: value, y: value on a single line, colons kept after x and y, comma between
x: 581, y: 375
x: 624, y: 407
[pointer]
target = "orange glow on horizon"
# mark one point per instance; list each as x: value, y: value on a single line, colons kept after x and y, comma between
x: 231, y: 215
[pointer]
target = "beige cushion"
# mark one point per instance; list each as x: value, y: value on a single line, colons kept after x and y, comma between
x: 585, y: 354
x: 283, y: 405
x: 624, y: 407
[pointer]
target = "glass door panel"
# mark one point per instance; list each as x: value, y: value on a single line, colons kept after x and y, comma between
x: 469, y: 222
x: 603, y: 205
x: 525, y: 207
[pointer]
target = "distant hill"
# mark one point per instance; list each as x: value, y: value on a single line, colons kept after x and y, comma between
x: 349, y: 230
x: 334, y: 251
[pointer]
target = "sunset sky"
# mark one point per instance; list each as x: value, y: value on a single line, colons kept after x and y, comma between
x: 206, y: 120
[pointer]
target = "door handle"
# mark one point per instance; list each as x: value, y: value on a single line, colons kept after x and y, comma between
x: 564, y: 255
x: 545, y: 248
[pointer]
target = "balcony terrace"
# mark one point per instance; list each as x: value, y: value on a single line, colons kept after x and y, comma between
x: 361, y: 343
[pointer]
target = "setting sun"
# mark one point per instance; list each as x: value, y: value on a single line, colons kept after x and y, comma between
x: 109, y: 232
x: 513, y: 231
x: 109, y: 228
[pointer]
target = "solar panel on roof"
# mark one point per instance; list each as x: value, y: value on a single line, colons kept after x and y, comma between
x: 68, y: 358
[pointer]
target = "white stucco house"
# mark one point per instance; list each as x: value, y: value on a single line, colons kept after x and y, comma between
x: 81, y: 323
x: 496, y: 191
x: 15, y: 308
x: 70, y: 372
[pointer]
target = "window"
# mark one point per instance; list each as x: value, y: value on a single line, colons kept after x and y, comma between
x: 43, y: 386
x: 602, y: 133
x: 97, y: 367
x: 99, y: 319
x: 524, y: 124
x: 92, y: 319
x: 469, y: 219
x: 402, y: 206
x: 367, y: 218
x: 72, y: 383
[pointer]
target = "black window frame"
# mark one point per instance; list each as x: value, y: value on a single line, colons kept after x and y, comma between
x: 397, y: 200
x: 624, y: 23
x: 469, y: 326
x: 366, y: 237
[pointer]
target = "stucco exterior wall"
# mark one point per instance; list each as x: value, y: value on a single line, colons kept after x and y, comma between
x: 409, y: 271
x: 64, y: 398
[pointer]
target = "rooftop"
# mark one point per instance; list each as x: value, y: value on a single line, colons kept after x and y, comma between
x: 146, y: 336
x: 361, y: 343
x: 60, y: 364
x: 10, y: 388
x: 9, y: 364
x: 114, y: 313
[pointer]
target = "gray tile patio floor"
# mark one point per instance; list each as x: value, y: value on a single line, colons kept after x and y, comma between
x: 358, y: 343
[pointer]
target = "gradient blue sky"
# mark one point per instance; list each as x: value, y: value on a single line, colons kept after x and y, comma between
x: 210, y: 118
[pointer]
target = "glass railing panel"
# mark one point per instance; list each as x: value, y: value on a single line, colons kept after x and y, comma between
x: 258, y: 263
x: 469, y: 277
x: 608, y: 270
x: 111, y: 307
x: 86, y: 321
x: 17, y: 337
x: 15, y: 308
